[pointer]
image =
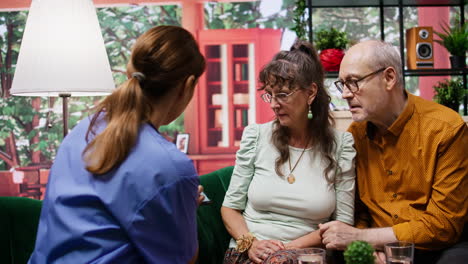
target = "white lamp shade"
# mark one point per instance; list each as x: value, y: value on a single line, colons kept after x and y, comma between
x: 62, y: 51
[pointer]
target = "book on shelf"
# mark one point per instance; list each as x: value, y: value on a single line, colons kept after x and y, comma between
x: 216, y: 99
x: 237, y: 72
x: 241, y: 98
x: 245, y: 72
x: 221, y: 144
x: 241, y: 72
x: 218, y: 118
x: 245, y: 117
x: 241, y: 118
x: 238, y: 118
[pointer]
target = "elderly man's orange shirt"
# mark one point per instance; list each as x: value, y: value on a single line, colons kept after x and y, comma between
x: 414, y: 177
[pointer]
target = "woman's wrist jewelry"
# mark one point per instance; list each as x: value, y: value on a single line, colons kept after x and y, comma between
x: 244, y: 242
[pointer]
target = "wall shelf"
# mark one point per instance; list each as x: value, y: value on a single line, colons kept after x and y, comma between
x: 384, y: 3
x: 419, y: 72
x: 227, y: 99
x: 435, y: 72
x: 381, y: 4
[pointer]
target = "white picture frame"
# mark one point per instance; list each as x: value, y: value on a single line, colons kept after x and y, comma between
x: 182, y: 142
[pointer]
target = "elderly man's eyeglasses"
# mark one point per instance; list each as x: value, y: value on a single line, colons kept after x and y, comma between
x: 352, y: 85
x: 280, y: 97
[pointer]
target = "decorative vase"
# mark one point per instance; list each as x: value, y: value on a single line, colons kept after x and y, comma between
x: 458, y: 62
x: 331, y: 59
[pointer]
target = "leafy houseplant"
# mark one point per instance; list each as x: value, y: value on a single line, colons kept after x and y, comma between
x: 449, y: 93
x: 300, y: 24
x: 455, y: 40
x: 359, y: 252
x: 331, y: 44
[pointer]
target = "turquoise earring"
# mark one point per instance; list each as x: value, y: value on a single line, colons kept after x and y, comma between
x: 309, y: 114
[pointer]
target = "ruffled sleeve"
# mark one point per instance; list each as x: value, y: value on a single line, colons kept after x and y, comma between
x: 345, y: 180
x: 236, y: 195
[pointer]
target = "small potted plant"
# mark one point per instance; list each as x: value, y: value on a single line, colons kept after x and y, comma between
x: 449, y: 93
x: 359, y: 252
x: 331, y: 44
x: 455, y: 40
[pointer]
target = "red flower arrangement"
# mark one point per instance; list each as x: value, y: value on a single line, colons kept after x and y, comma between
x: 331, y: 59
x: 331, y: 42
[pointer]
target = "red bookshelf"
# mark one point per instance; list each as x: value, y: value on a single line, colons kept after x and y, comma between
x: 227, y: 98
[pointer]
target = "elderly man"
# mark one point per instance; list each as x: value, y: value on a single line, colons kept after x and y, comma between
x: 411, y: 162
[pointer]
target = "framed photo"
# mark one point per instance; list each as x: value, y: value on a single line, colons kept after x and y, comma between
x: 182, y: 142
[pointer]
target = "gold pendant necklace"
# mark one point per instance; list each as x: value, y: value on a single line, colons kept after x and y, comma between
x: 291, y: 179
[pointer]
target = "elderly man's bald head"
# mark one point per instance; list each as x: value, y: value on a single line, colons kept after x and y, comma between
x: 377, y: 54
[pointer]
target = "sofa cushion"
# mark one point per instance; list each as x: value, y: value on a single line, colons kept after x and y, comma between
x: 19, y: 218
x: 212, y: 235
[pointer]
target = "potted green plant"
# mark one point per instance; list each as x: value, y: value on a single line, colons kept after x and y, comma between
x: 455, y: 40
x: 359, y: 252
x: 449, y: 93
x: 331, y: 44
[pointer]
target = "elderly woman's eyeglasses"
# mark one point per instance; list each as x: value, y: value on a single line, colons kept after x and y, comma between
x: 280, y: 97
x: 352, y: 85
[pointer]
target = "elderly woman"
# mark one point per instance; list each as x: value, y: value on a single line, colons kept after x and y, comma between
x: 293, y: 173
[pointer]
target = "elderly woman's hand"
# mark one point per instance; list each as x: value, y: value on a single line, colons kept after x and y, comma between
x: 379, y: 257
x: 201, y: 197
x: 261, y: 249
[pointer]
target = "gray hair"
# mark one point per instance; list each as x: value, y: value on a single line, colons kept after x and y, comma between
x: 386, y: 55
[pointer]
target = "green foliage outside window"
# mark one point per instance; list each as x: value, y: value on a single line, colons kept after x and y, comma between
x: 26, y: 122
x: 247, y: 15
x: 449, y: 93
x: 121, y: 25
x: 300, y: 22
x: 330, y: 39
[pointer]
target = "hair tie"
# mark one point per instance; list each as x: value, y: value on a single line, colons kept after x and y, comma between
x: 139, y: 75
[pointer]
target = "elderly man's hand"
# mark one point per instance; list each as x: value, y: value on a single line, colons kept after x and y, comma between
x: 337, y: 235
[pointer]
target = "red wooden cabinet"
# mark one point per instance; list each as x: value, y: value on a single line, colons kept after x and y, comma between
x: 227, y: 99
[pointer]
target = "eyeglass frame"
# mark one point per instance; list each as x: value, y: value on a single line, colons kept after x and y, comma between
x: 284, y: 100
x: 355, y: 82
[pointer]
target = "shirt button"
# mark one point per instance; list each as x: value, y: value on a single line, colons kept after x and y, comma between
x: 394, y: 195
x: 389, y: 172
x: 395, y: 216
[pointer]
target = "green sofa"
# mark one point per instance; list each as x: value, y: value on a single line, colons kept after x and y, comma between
x: 19, y: 218
x: 213, y: 238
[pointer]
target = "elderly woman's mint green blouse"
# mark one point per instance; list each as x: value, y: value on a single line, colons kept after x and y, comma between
x: 276, y: 209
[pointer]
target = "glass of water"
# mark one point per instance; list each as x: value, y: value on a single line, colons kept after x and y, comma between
x: 311, y: 256
x: 400, y: 252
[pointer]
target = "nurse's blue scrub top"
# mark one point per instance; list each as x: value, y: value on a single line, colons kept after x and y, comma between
x: 144, y: 211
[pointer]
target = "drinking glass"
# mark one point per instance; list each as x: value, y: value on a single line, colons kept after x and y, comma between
x: 400, y: 252
x: 311, y: 256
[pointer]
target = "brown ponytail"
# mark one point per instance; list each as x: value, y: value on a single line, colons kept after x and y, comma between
x: 166, y: 56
